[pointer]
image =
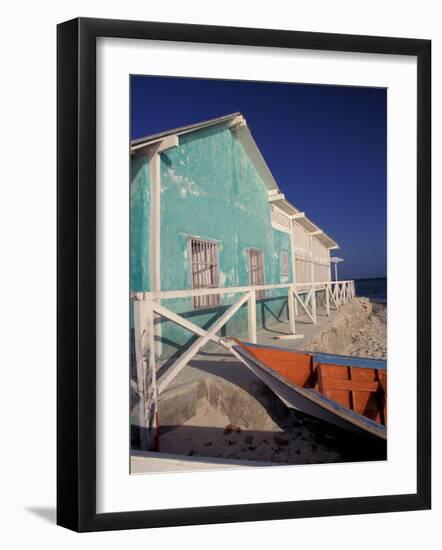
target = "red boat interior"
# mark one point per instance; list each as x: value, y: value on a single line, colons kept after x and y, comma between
x: 363, y: 390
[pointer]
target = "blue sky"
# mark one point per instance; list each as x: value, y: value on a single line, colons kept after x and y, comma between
x: 325, y: 145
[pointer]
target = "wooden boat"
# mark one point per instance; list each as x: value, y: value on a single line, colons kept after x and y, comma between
x: 349, y: 392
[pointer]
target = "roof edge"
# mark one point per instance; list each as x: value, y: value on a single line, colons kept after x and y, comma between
x: 146, y: 140
x: 291, y: 210
x: 251, y: 148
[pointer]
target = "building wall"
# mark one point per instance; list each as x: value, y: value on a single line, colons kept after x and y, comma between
x: 319, y: 255
x: 302, y: 254
x: 210, y: 190
x: 139, y: 226
x: 321, y: 261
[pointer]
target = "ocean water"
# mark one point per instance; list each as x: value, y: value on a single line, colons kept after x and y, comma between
x: 375, y: 289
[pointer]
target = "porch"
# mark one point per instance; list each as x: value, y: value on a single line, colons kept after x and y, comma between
x: 311, y: 306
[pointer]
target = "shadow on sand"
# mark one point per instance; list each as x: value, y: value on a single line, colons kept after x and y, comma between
x: 306, y: 441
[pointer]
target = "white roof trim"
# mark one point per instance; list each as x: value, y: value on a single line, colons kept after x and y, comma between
x: 275, y: 197
x: 238, y: 125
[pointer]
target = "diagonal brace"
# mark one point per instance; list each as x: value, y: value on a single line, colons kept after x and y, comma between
x: 182, y: 361
x: 304, y: 306
x: 174, y: 317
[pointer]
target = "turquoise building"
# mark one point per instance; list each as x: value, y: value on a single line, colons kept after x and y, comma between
x: 206, y: 212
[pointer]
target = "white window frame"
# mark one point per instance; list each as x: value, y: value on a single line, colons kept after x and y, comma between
x: 260, y: 294
x: 284, y: 263
x: 208, y: 276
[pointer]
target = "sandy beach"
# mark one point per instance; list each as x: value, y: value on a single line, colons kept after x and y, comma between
x: 372, y: 338
x: 210, y: 434
x: 294, y: 438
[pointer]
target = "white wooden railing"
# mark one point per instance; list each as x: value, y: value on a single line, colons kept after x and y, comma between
x: 301, y: 296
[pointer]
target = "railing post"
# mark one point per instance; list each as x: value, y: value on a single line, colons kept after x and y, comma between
x: 313, y: 299
x: 291, y: 308
x: 151, y: 410
x: 139, y: 323
x: 252, y: 316
x: 146, y: 373
x: 327, y: 300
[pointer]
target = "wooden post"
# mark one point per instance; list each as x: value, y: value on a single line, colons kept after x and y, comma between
x: 252, y: 316
x: 313, y: 299
x: 312, y: 266
x: 151, y: 403
x: 291, y: 308
x: 146, y: 373
x: 291, y: 289
x: 155, y: 234
x: 327, y: 300
x: 312, y: 276
x: 139, y: 323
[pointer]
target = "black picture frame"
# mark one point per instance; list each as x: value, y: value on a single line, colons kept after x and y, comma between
x: 76, y: 274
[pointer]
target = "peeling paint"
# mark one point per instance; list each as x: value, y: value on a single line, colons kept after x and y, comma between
x: 216, y: 195
x: 240, y: 206
x: 186, y: 184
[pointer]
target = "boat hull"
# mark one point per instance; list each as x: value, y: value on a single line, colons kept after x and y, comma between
x: 309, y: 400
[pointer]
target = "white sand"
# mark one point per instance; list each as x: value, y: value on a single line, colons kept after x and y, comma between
x: 209, y: 434
x: 372, y: 338
x: 297, y: 440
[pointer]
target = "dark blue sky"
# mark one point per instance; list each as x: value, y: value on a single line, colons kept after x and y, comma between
x: 325, y: 145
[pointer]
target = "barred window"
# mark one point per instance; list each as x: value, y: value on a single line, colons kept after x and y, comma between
x: 204, y: 269
x: 256, y: 271
x: 284, y: 257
